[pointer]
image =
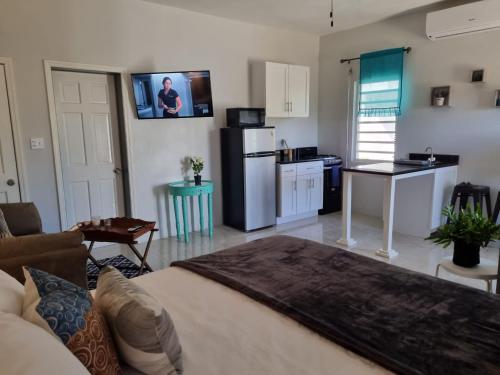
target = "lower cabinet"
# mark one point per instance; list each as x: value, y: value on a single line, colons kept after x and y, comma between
x: 300, y: 189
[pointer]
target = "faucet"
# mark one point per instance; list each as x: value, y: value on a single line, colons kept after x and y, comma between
x: 431, y: 159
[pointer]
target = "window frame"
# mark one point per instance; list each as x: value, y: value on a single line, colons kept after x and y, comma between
x: 355, y: 130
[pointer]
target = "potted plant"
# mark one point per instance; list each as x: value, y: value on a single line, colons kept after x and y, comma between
x: 439, y: 100
x: 197, y: 165
x: 469, y: 230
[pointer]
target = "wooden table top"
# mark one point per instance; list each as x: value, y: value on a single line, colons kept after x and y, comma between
x: 117, y: 232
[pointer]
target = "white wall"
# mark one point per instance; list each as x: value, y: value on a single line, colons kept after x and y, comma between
x: 145, y: 37
x: 471, y: 128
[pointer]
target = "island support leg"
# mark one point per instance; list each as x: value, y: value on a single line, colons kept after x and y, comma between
x: 346, y: 239
x: 387, y: 251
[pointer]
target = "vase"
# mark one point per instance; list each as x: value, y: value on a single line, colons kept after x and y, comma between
x: 439, y: 102
x: 465, y: 254
x: 197, y: 179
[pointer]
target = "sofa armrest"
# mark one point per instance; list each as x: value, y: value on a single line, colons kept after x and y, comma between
x: 38, y: 244
x: 69, y: 264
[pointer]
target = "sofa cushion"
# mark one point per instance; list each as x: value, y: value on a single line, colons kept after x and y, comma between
x: 4, y: 228
x: 143, y: 330
x: 11, y: 294
x: 28, y: 349
x: 68, y: 313
x: 22, y: 218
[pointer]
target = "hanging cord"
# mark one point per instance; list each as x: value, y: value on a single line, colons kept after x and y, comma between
x: 331, y: 14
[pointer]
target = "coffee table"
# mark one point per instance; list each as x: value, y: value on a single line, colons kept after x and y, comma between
x: 117, y: 232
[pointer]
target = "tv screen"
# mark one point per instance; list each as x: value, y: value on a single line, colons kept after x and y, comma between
x: 173, y: 95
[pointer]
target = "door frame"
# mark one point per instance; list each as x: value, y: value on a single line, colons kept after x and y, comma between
x: 124, y: 124
x: 16, y: 129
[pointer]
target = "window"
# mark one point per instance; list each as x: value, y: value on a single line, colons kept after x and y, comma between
x: 375, y: 136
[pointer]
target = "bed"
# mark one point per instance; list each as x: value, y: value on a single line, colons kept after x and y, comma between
x: 284, y: 305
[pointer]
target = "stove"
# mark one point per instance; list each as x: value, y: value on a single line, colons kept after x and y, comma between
x: 330, y: 159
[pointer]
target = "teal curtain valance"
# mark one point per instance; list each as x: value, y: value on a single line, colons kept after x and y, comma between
x: 381, y: 83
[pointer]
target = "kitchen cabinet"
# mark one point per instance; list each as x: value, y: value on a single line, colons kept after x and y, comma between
x: 282, y: 89
x: 300, y: 190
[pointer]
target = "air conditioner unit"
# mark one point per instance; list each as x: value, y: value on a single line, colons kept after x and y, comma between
x: 465, y: 19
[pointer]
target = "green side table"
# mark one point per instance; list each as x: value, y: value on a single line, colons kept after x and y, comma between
x: 186, y: 189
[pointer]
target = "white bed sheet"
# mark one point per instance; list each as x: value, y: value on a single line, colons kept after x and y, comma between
x: 224, y: 332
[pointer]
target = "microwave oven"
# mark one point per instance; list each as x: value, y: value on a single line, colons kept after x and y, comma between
x: 245, y: 117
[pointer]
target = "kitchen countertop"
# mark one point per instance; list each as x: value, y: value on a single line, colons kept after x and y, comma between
x: 391, y: 169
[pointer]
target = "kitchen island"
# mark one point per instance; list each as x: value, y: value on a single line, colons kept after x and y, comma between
x: 417, y: 214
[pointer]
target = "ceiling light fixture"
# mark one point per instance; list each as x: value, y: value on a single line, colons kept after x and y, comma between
x: 331, y: 14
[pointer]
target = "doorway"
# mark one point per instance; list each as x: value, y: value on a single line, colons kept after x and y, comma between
x: 10, y: 182
x: 89, y: 135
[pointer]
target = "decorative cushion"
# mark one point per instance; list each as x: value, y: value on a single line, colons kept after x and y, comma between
x: 4, y: 228
x: 27, y: 349
x: 67, y: 312
x: 11, y: 294
x: 143, y: 330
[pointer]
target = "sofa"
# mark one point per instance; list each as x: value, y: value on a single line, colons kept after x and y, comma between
x: 61, y: 254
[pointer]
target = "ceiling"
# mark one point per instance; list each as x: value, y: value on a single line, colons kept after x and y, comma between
x: 311, y: 16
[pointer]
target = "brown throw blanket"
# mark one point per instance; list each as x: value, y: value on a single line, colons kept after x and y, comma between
x: 407, y: 322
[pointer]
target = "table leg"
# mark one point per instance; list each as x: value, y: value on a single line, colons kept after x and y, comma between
x: 185, y: 219
x: 437, y: 269
x: 346, y: 239
x: 146, y: 252
x: 94, y: 260
x: 202, y: 219
x: 387, y: 250
x: 210, y: 218
x: 141, y: 258
x: 177, y: 223
x: 488, y: 286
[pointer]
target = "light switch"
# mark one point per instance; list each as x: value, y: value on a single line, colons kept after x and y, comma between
x: 37, y: 143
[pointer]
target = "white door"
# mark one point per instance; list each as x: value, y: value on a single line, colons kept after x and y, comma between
x: 276, y: 90
x: 288, y: 196
x: 316, y: 200
x: 304, y: 183
x: 298, y: 90
x: 9, y: 182
x: 89, y: 145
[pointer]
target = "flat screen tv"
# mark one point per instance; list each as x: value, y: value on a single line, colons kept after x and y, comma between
x: 173, y: 95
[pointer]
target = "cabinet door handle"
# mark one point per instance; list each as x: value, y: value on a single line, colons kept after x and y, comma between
x: 295, y: 185
x: 291, y: 106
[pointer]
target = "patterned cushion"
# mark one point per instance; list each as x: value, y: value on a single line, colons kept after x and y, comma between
x: 4, y: 228
x: 67, y: 312
x: 143, y: 331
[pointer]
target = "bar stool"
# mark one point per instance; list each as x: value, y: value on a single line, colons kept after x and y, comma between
x: 496, y: 211
x: 480, y: 195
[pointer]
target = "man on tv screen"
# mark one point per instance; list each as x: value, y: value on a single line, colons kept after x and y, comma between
x: 169, y: 100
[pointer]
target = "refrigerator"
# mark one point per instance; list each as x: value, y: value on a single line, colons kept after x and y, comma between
x: 248, y: 158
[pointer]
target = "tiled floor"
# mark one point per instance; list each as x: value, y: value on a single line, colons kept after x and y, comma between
x: 414, y: 253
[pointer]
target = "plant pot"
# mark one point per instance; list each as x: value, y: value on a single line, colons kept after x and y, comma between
x: 439, y: 102
x: 197, y: 179
x: 465, y: 254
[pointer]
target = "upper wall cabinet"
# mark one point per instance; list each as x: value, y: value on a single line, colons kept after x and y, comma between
x: 281, y: 88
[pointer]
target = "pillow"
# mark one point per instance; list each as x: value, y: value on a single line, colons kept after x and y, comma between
x: 68, y: 313
x: 143, y: 331
x: 28, y: 349
x: 4, y: 228
x: 11, y: 294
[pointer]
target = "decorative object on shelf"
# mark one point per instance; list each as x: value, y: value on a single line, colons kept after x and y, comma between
x: 197, y: 165
x: 478, y: 76
x: 497, y: 99
x: 440, y: 96
x: 469, y: 230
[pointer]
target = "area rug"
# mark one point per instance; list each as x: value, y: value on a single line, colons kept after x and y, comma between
x: 128, y: 269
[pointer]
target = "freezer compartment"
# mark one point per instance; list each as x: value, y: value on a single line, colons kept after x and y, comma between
x: 260, y: 192
x: 258, y: 140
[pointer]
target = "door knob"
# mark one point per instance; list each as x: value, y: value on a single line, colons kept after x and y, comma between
x: 11, y: 182
x: 117, y: 170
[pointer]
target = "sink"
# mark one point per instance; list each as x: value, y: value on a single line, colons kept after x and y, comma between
x: 421, y: 163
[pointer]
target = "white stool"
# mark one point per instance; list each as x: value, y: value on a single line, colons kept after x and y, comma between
x: 486, y: 270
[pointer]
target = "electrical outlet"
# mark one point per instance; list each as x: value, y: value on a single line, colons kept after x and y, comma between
x: 37, y: 143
